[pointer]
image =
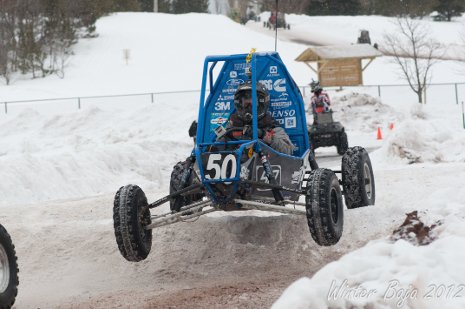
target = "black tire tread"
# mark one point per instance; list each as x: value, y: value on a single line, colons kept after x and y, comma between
x: 343, y: 144
x: 352, y: 177
x: 8, y: 297
x: 317, y: 201
x: 126, y: 208
x: 175, y: 185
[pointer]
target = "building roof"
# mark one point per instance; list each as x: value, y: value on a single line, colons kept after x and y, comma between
x: 358, y: 51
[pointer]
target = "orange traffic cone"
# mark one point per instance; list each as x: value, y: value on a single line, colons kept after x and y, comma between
x: 379, y: 135
x: 391, y: 126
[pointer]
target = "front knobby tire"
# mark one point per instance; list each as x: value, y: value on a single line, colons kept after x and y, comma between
x: 130, y: 215
x: 8, y: 270
x: 358, y: 180
x: 323, y: 202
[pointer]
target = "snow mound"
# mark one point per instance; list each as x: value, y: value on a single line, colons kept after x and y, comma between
x: 362, y: 112
x: 423, y: 138
x: 386, y: 274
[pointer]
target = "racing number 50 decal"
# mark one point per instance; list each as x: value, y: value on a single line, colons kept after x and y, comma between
x: 219, y: 167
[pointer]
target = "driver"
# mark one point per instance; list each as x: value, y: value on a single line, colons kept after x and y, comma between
x: 268, y: 128
x: 320, y: 99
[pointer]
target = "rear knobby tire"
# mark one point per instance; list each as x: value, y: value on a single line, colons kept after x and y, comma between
x: 358, y: 180
x: 343, y: 144
x: 323, y: 202
x: 130, y: 215
x: 8, y: 271
x: 176, y: 185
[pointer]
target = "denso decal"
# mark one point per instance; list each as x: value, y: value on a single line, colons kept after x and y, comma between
x: 280, y: 85
x: 283, y: 113
x: 222, y: 106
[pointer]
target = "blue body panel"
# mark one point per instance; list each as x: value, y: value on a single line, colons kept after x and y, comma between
x: 222, y: 75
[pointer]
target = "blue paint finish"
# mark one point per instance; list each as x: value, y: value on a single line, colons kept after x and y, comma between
x: 216, y: 106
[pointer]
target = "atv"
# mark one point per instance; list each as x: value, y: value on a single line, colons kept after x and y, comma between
x: 224, y: 173
x: 8, y: 270
x: 276, y: 21
x: 325, y: 132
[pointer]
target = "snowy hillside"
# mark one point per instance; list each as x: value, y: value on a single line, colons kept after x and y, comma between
x: 61, y: 167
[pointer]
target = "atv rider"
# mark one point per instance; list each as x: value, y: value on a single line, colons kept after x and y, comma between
x: 320, y: 99
x: 268, y: 128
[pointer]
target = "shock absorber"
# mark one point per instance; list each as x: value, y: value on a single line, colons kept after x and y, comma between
x: 186, y: 174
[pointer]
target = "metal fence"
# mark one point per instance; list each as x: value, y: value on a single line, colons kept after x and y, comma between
x: 444, y: 92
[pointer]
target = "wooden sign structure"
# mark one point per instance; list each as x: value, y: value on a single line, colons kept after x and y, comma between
x: 339, y: 65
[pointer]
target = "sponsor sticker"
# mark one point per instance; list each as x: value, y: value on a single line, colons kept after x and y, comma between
x: 283, y: 113
x: 290, y: 122
x: 261, y: 175
x: 280, y: 85
x: 219, y: 120
x: 281, y: 105
x: 239, y: 66
x: 223, y: 106
x: 268, y: 83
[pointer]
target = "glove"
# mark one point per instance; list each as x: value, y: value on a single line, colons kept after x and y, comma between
x: 268, y: 136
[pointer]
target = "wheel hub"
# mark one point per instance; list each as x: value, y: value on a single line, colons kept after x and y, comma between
x: 4, y: 270
x: 367, y: 180
x: 334, y: 206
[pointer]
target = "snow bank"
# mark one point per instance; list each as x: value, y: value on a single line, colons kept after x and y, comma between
x: 363, y: 112
x: 90, y: 152
x: 386, y: 274
x: 424, y: 137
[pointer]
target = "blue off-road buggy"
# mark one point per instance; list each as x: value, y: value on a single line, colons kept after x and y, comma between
x: 223, y: 173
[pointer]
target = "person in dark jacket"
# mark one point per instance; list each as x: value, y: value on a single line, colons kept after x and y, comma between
x: 268, y: 128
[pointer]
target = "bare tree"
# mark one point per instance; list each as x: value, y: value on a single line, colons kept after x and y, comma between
x: 414, y: 51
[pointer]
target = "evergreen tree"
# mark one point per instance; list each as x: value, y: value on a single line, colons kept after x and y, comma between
x: 335, y: 7
x: 146, y: 5
x: 164, y: 6
x: 450, y: 8
x: 187, y: 6
x: 125, y: 5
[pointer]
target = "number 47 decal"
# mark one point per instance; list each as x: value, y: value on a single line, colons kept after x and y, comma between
x: 221, y: 166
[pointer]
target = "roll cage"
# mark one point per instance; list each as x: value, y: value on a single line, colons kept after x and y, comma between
x: 217, y: 105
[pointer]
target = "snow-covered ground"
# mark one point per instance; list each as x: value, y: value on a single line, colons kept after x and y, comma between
x: 61, y: 166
